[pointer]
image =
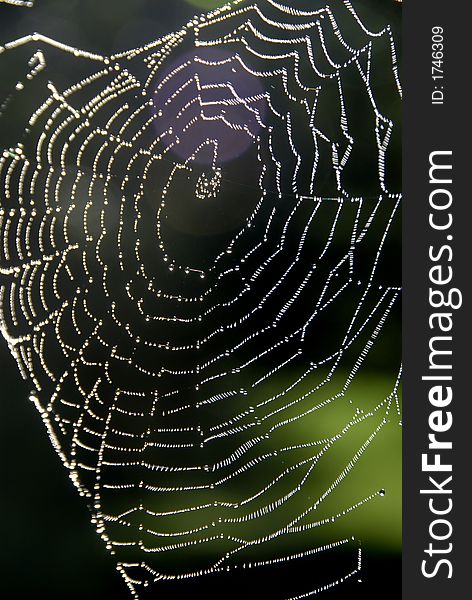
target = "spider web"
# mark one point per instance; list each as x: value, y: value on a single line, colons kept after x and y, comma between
x: 196, y: 272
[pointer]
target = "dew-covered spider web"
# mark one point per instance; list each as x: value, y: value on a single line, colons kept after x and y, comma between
x: 199, y: 270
